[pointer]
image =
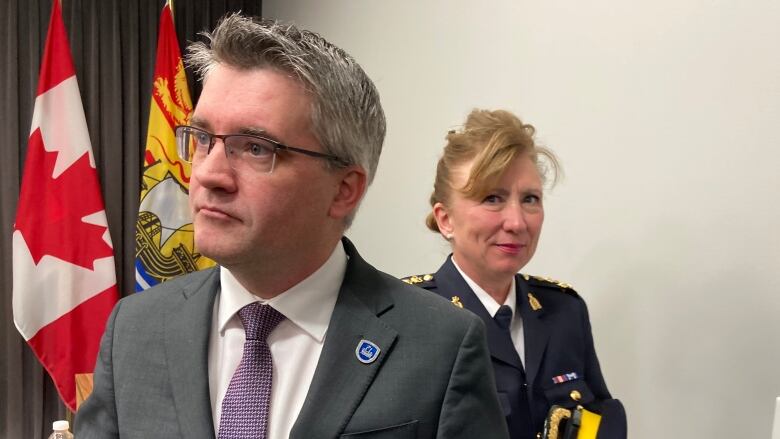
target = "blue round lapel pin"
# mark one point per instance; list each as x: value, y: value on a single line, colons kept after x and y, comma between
x: 367, y: 352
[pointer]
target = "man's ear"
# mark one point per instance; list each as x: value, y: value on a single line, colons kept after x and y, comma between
x: 443, y: 220
x: 350, y: 191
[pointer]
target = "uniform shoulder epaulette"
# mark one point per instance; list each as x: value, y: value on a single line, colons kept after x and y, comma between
x: 419, y: 280
x: 549, y: 282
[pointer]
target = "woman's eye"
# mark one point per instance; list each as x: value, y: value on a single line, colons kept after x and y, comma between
x: 492, y: 199
x: 532, y: 199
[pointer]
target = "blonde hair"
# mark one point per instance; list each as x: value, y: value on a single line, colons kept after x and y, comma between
x: 492, y: 140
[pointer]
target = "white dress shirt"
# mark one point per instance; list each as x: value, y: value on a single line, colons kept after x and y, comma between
x: 295, y: 344
x: 490, y: 304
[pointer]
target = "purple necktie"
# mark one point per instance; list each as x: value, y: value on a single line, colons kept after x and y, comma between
x: 247, y: 402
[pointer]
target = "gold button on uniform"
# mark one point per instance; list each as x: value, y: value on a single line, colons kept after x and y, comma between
x: 575, y: 395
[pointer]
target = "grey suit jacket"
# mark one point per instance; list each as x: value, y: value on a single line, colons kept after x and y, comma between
x: 433, y: 377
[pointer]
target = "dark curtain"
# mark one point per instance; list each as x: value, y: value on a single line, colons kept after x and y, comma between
x: 113, y: 44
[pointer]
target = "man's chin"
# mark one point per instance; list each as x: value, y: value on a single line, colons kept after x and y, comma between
x: 217, y: 253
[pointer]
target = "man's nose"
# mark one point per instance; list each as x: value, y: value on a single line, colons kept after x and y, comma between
x: 214, y: 170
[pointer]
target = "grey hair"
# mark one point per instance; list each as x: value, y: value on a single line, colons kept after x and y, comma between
x: 347, y: 117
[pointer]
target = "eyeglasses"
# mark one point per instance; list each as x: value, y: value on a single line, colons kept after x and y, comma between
x: 243, y: 151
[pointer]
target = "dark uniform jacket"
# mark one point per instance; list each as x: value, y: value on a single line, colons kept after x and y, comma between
x: 560, y: 365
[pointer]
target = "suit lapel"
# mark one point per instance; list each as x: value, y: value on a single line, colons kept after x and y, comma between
x: 501, y: 348
x: 186, y: 343
x: 535, y: 328
x: 340, y: 380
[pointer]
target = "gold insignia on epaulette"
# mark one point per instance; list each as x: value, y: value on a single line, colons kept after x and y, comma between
x: 416, y: 279
x: 562, y: 285
x: 526, y: 277
x: 456, y: 301
x: 535, y: 305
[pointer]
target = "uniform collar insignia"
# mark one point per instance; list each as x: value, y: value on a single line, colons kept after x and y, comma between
x: 535, y: 305
x: 456, y: 301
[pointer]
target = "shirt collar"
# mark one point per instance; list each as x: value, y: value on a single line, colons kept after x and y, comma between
x: 308, y: 304
x: 487, y: 300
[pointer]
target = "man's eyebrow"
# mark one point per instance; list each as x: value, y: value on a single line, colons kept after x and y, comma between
x: 199, y: 123
x: 254, y: 131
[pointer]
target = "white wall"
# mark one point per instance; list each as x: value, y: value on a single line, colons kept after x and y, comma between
x: 666, y: 115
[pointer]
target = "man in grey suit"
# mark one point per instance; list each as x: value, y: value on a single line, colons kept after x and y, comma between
x: 293, y: 335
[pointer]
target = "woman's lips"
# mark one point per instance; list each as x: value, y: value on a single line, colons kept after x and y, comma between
x: 511, y: 249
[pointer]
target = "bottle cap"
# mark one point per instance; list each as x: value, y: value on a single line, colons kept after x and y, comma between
x: 60, y: 425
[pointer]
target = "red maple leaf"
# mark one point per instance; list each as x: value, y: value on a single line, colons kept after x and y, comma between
x: 50, y: 210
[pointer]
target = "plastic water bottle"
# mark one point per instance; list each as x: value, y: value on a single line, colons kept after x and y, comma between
x: 61, y: 430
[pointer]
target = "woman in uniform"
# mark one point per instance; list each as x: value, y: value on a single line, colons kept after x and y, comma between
x: 487, y: 202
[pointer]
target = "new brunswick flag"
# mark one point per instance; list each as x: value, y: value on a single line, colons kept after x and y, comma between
x: 164, y: 242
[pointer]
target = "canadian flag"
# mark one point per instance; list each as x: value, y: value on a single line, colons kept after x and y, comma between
x: 64, y: 283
